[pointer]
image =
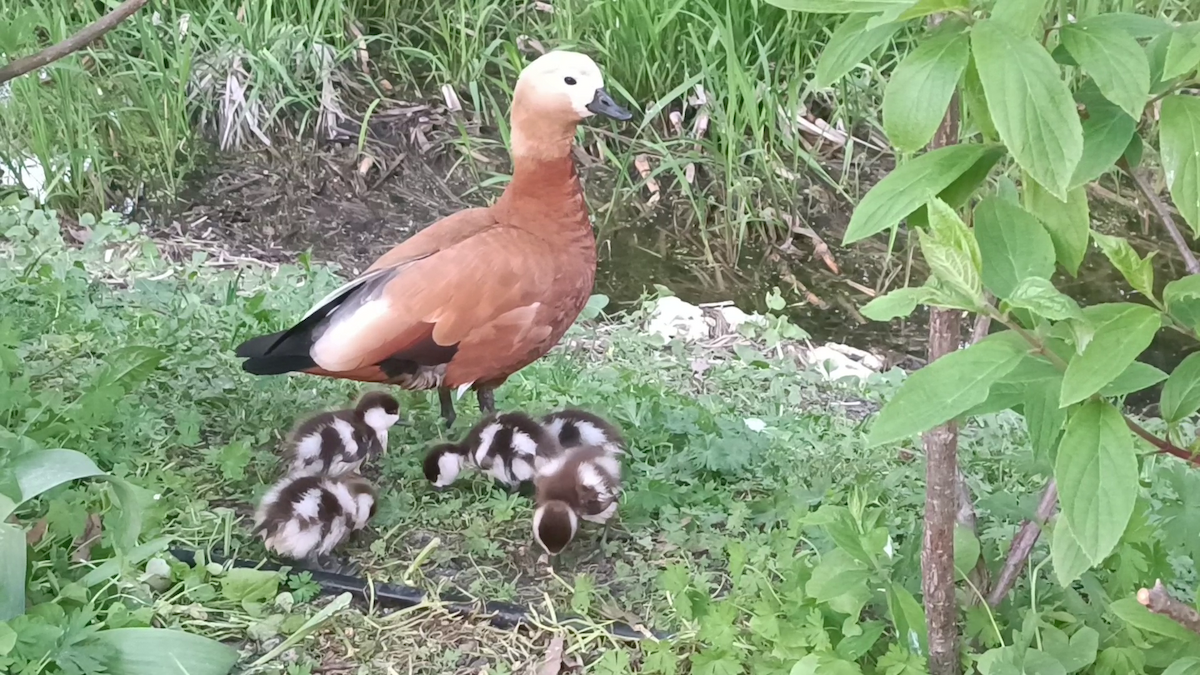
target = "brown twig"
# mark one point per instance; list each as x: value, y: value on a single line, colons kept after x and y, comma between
x: 1164, y: 215
x: 1159, y: 601
x: 1163, y: 445
x: 83, y: 38
x: 1022, y: 545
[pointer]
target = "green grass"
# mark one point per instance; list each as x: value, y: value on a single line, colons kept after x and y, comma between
x: 760, y: 548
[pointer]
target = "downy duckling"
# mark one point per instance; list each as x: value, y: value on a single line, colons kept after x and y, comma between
x: 305, y: 517
x: 338, y: 442
x: 445, y: 462
x: 573, y: 427
x: 510, y: 447
x: 582, y: 483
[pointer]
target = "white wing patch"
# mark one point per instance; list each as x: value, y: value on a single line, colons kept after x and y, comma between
x: 340, y: 347
x: 591, y: 434
x: 486, y: 438
x: 309, y: 505
x: 524, y: 444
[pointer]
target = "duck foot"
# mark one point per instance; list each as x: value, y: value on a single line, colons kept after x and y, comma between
x: 330, y: 565
x: 487, y: 399
x: 447, y: 406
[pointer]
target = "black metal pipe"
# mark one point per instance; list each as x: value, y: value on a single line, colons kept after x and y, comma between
x: 501, y: 614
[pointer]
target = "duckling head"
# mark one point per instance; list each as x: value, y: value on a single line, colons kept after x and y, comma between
x: 554, y: 526
x: 364, y: 497
x: 378, y: 409
x: 444, y: 463
x: 566, y: 86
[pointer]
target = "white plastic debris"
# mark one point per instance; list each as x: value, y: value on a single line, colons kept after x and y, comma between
x: 736, y: 317
x: 754, y: 424
x: 834, y: 362
x: 674, y: 318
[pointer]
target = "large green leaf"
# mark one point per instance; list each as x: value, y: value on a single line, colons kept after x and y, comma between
x: 908, y: 618
x: 897, y: 303
x: 1074, y: 653
x: 1136, y: 25
x: 947, y: 387
x: 840, y: 6
x: 1030, y: 104
x: 919, y: 90
x: 1122, y: 332
x: 1183, y: 51
x: 910, y: 185
x: 1097, y: 474
x: 1039, y: 296
x: 1043, y: 417
x: 1067, y: 222
x: 160, y: 651
x: 1136, y: 377
x: 1189, y: 665
x: 1138, y: 271
x: 1019, y: 16
x: 1181, y: 394
x: 128, y: 367
x: 974, y: 105
x: 1115, y: 61
x: 851, y: 42
x: 1068, y: 558
x: 1107, y: 133
x: 1182, y: 298
x: 927, y: 7
x: 837, y: 574
x: 43, y: 470
x: 1179, y: 143
x: 1133, y: 613
x: 952, y: 253
x: 1013, y: 244
x: 12, y: 571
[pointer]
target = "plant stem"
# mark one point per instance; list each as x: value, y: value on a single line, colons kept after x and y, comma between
x: 1159, y: 601
x: 1163, y: 445
x: 78, y: 41
x: 1164, y: 214
x: 1022, y: 545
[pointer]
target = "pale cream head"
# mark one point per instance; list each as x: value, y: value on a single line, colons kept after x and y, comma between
x: 565, y: 85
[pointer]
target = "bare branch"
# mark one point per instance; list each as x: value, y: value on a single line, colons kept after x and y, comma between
x: 1159, y: 601
x: 1164, y: 215
x: 1163, y: 445
x: 83, y: 38
x: 1022, y: 545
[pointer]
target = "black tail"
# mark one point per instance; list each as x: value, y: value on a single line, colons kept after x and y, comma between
x: 267, y: 355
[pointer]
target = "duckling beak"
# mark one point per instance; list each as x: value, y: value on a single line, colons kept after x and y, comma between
x: 603, y: 104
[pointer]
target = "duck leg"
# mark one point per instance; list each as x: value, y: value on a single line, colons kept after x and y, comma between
x: 447, y: 404
x: 487, y: 399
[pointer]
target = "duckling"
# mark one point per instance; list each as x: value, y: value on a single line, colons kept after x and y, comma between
x: 510, y: 447
x: 582, y: 483
x: 338, y: 442
x: 573, y: 427
x: 445, y: 462
x: 305, y: 517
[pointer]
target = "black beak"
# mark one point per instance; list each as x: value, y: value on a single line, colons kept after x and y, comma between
x: 602, y: 104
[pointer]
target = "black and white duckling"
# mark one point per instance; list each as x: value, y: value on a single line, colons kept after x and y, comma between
x: 583, y: 483
x: 337, y: 442
x: 572, y: 427
x: 509, y: 447
x: 305, y: 517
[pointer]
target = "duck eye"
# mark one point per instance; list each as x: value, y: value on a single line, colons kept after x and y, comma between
x: 569, y: 80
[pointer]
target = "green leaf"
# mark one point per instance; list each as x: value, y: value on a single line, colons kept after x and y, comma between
x: 1136, y: 377
x: 911, y: 185
x: 126, y: 523
x: 1183, y: 51
x: 962, y: 188
x: 1115, y: 61
x: 1133, y: 613
x: 1043, y: 417
x: 1138, y: 271
x: 159, y: 651
x: 908, y: 618
x: 1182, y: 298
x: 1097, y: 475
x: 1030, y: 104
x: 44, y: 470
x: 836, y: 575
x: 1181, y: 394
x: 314, y: 622
x: 1013, y: 244
x: 1122, y: 331
x: 927, y: 7
x: 1077, y: 652
x: 840, y: 6
x: 1067, y: 222
x: 128, y: 367
x: 966, y: 550
x: 851, y: 42
x: 947, y: 387
x: 242, y: 584
x: 1136, y: 25
x: 953, y: 255
x: 975, y: 107
x: 1179, y: 141
x: 894, y: 304
x: 1107, y: 134
x: 1068, y: 558
x: 12, y: 571
x: 917, y: 94
x: 1039, y: 296
x: 1019, y: 16
x: 1016, y: 660
x: 1189, y: 665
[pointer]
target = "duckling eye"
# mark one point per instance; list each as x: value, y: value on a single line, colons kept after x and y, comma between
x: 569, y: 80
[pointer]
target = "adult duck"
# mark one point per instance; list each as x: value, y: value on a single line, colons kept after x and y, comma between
x: 482, y: 293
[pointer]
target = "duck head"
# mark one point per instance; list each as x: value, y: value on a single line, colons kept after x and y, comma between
x: 564, y: 86
x: 378, y: 409
x: 365, y: 499
x: 554, y: 526
x: 444, y: 463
